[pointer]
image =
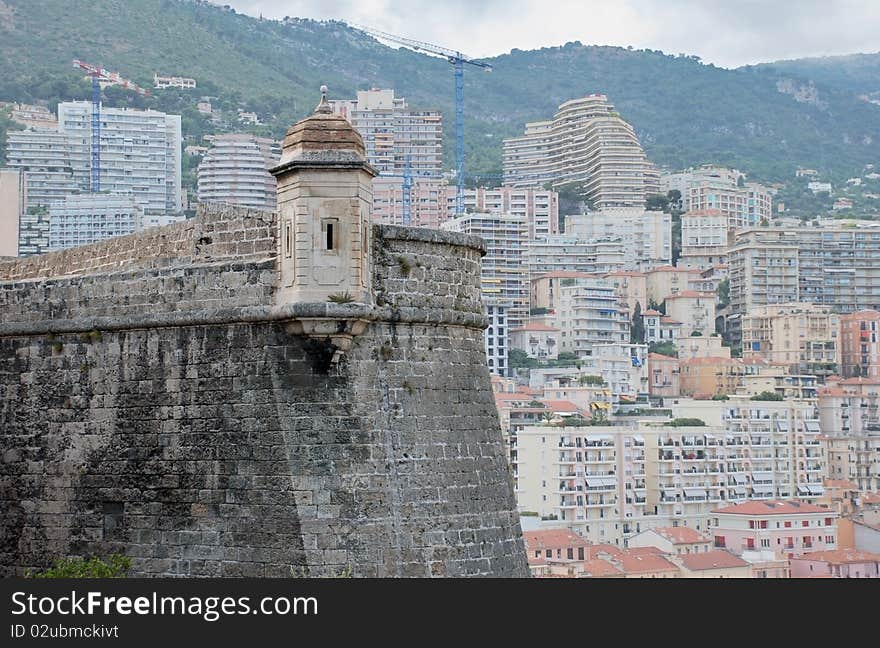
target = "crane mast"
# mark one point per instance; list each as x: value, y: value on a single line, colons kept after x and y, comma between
x: 98, y: 74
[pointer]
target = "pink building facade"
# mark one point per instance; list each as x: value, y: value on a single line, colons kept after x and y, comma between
x: 842, y: 563
x: 788, y: 528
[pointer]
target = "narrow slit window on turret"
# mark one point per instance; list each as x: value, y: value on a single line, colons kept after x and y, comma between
x: 330, y: 232
x: 288, y: 243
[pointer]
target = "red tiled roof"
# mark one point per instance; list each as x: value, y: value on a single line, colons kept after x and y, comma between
x: 564, y: 274
x: 667, y: 268
x: 599, y: 568
x: 651, y: 311
x: 560, y: 405
x: 681, y: 535
x: 861, y: 315
x: 641, y: 563
x: 611, y: 550
x: 507, y: 396
x: 689, y: 294
x: 860, y: 381
x: 625, y: 273
x: 840, y: 483
x: 773, y: 507
x: 534, y: 326
x: 710, y: 361
x: 715, y: 559
x: 660, y: 356
x: 638, y: 551
x: 840, y: 556
x: 704, y: 212
x: 552, y: 539
x: 668, y: 320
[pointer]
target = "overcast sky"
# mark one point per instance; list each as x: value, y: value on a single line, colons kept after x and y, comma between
x: 727, y: 33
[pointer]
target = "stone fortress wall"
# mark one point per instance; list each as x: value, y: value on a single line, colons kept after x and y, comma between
x: 153, y: 402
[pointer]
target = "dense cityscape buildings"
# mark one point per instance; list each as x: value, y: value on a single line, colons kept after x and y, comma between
x: 676, y: 366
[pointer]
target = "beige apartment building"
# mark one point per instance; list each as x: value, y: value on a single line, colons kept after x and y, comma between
x: 589, y: 312
x: 700, y: 346
x: 695, y: 310
x: 802, y: 336
x: 587, y: 143
x: 668, y: 280
x: 710, y: 376
x: 547, y: 286
x: 631, y: 287
x: 849, y: 412
x: 663, y: 375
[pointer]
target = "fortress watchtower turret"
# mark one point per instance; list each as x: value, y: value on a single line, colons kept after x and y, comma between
x: 325, y: 201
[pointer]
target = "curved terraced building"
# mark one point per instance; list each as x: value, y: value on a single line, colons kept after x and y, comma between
x: 587, y: 142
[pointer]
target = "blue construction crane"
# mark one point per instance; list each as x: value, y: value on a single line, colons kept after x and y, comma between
x: 98, y: 74
x: 458, y: 60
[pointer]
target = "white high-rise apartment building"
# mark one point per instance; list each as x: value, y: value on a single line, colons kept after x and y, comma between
x: 589, y: 312
x: 570, y: 254
x: 234, y: 170
x: 505, y: 274
x: 539, y: 206
x: 393, y: 133
x: 717, y: 188
x: 45, y: 157
x: 646, y: 235
x: 704, y: 236
x: 608, y: 483
x: 588, y: 143
x: 87, y: 218
x: 496, y: 340
x: 140, y: 153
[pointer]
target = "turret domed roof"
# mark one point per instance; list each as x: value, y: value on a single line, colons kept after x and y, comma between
x: 323, y: 137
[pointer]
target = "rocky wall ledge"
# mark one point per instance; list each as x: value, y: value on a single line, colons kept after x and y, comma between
x: 253, y: 314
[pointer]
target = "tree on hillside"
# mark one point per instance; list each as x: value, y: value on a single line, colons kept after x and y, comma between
x: 657, y: 202
x: 637, y: 328
x: 723, y: 292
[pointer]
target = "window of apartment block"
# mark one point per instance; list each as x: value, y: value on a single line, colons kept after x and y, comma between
x: 827, y: 521
x: 720, y: 541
